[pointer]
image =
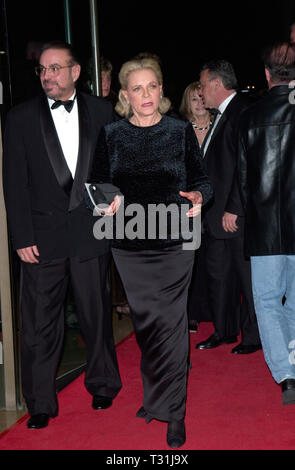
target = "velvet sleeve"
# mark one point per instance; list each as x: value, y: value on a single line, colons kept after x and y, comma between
x: 100, y: 171
x: 197, y: 180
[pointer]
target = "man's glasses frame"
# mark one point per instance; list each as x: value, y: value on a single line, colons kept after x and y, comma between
x: 52, y: 69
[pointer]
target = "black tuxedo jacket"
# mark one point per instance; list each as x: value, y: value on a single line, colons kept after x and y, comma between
x: 221, y: 164
x: 44, y: 205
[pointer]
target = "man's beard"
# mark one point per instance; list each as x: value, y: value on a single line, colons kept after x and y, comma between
x: 48, y: 86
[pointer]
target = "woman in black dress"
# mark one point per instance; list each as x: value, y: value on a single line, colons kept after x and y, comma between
x: 155, y: 162
x: 193, y: 110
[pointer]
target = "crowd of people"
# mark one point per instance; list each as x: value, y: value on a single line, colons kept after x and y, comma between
x: 223, y: 157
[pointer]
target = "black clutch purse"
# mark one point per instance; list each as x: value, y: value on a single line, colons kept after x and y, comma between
x: 97, y: 194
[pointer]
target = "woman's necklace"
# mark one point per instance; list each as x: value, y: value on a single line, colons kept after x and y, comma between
x: 202, y: 128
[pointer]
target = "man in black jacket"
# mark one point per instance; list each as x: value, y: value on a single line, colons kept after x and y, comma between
x: 267, y: 172
x: 227, y: 269
x: 49, y: 143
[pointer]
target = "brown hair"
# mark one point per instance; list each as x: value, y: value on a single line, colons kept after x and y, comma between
x: 61, y: 46
x: 279, y: 60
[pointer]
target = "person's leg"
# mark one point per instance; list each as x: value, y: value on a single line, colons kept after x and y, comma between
x: 289, y: 308
x: 92, y: 295
x: 248, y: 320
x: 198, y: 307
x: 42, y: 296
x: 223, y: 295
x: 156, y: 284
x: 272, y: 278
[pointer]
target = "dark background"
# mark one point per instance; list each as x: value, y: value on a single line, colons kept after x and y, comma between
x: 184, y: 34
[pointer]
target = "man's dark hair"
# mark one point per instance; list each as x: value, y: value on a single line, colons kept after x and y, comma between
x: 224, y: 70
x: 279, y: 60
x: 62, y: 46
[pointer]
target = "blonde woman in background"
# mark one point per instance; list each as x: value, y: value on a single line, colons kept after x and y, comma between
x: 192, y: 109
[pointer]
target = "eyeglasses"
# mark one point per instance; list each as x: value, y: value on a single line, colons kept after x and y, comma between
x: 54, y: 70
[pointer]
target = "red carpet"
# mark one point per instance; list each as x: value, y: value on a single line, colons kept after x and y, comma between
x: 233, y: 404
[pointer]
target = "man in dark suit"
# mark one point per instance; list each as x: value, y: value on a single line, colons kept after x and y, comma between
x: 48, y: 149
x: 228, y: 270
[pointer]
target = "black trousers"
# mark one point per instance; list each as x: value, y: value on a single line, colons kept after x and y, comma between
x: 156, y: 284
x: 229, y: 289
x: 43, y: 292
x: 198, y: 304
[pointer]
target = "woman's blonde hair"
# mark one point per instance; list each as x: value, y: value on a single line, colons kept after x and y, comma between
x: 123, y: 108
x: 185, y: 107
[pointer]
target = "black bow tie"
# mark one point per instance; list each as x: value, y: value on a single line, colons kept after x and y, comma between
x: 67, y: 104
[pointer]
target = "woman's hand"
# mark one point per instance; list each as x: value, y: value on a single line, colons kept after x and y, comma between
x: 112, y: 208
x: 196, y: 198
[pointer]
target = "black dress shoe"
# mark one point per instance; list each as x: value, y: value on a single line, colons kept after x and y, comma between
x: 288, y: 392
x: 143, y: 414
x: 246, y: 348
x: 101, y: 403
x: 38, y: 421
x: 193, y: 326
x: 214, y: 341
x: 176, y: 434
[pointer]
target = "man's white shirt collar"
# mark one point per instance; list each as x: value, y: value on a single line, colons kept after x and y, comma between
x: 222, y: 107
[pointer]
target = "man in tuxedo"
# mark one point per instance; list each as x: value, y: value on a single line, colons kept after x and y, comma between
x: 49, y: 143
x: 228, y: 270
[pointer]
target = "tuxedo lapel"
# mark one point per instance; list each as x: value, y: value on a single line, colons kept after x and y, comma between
x: 230, y: 108
x: 84, y: 153
x: 53, y: 147
x: 215, y: 132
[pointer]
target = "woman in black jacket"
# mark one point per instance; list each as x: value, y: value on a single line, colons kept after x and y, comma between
x: 155, y: 161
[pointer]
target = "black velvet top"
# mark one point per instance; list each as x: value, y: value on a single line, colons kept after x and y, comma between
x: 150, y: 165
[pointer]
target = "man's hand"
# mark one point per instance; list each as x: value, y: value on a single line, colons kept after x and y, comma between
x: 229, y: 222
x: 28, y: 254
x: 196, y: 198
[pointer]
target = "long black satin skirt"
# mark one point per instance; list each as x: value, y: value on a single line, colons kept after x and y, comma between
x: 156, y: 284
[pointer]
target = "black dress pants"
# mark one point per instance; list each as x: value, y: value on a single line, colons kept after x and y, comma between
x: 43, y: 292
x: 198, y: 305
x: 230, y: 291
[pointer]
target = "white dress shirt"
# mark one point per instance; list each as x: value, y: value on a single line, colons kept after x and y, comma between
x: 67, y: 128
x: 222, y: 107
